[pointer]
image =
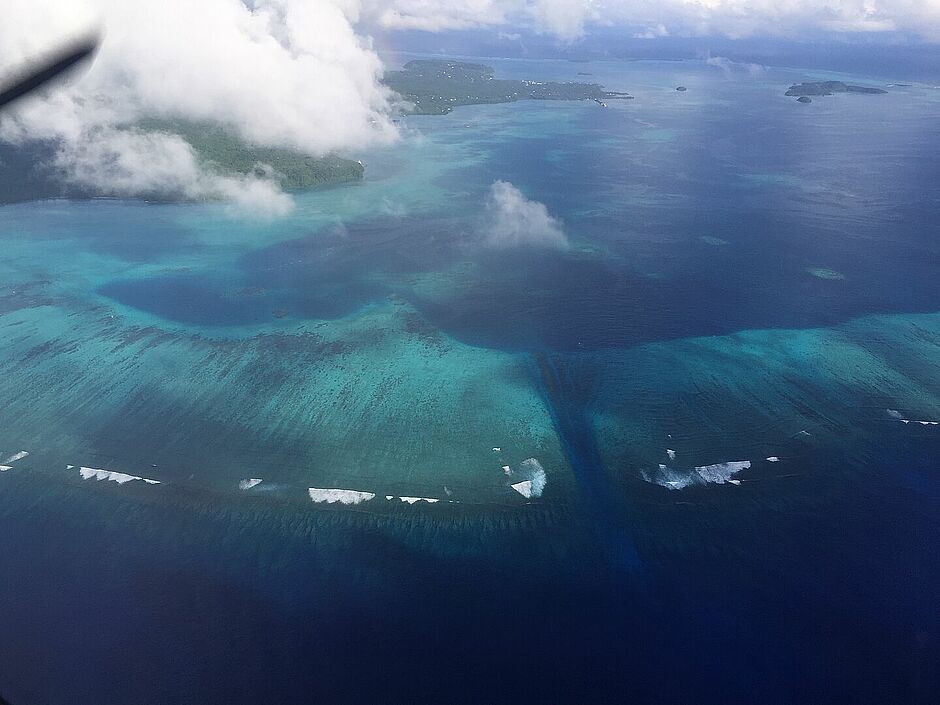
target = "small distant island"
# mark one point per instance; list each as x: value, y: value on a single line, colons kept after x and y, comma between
x: 823, y: 88
x: 437, y: 86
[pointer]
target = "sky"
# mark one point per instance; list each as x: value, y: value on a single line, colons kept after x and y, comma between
x: 570, y: 20
x: 306, y: 74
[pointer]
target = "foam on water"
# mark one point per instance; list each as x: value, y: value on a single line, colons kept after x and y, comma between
x: 668, y: 478
x: 16, y: 456
x: 533, y: 487
x: 900, y: 417
x: 711, y: 240
x: 111, y: 476
x: 825, y: 273
x: 677, y: 479
x: 248, y: 484
x: 536, y: 472
x: 331, y: 496
x: 415, y: 500
x: 524, y: 488
x: 722, y: 472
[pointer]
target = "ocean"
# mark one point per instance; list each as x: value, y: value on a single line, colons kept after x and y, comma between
x: 721, y: 388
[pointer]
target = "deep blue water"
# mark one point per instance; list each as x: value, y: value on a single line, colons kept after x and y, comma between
x: 787, y: 601
x: 811, y: 582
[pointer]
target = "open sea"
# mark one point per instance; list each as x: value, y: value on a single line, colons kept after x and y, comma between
x: 727, y: 383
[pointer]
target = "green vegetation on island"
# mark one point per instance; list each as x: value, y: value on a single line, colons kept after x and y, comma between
x: 821, y: 88
x: 27, y: 170
x: 224, y: 152
x: 437, y: 86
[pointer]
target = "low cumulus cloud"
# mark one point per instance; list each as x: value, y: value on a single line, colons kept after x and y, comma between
x: 730, y: 67
x: 133, y: 163
x: 563, y: 18
x: 289, y: 73
x: 512, y: 220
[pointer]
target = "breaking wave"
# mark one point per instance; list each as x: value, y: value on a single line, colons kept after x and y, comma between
x: 677, y: 479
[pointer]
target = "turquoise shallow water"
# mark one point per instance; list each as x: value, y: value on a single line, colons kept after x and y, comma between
x: 747, y: 280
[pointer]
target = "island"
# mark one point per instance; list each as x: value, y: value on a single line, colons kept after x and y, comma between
x: 437, y: 86
x: 27, y: 174
x: 221, y: 150
x: 822, y: 88
x: 804, y: 99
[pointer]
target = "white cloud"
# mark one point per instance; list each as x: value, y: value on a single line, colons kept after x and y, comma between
x: 652, y: 32
x: 730, y: 67
x: 134, y: 163
x: 570, y: 19
x: 437, y: 15
x: 278, y: 72
x: 563, y: 18
x: 512, y: 220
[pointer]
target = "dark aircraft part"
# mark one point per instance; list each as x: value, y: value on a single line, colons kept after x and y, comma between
x: 41, y: 72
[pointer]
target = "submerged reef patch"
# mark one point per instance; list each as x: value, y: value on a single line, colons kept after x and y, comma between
x: 825, y: 273
x: 711, y: 240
